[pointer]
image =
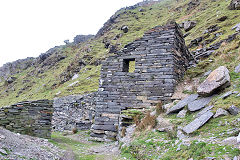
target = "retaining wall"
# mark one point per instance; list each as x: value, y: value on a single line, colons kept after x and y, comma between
x: 28, y: 117
x: 75, y: 111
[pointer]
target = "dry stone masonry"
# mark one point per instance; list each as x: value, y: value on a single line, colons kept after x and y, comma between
x: 145, y: 72
x: 75, y: 111
x: 29, y: 117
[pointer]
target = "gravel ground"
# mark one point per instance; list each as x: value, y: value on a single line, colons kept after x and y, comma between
x: 15, y: 146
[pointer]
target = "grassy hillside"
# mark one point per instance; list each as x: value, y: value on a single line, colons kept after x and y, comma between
x: 47, y: 84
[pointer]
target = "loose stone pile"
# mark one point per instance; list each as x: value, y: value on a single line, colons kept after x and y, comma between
x: 215, y: 82
x: 29, y: 117
x: 160, y: 58
x: 14, y: 146
x: 76, y: 111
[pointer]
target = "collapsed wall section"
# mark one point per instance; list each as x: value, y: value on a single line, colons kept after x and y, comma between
x: 75, y: 111
x: 158, y: 60
x: 29, y: 117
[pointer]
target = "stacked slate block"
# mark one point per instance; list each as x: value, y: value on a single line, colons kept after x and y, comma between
x: 161, y: 59
x: 75, y: 111
x: 29, y: 117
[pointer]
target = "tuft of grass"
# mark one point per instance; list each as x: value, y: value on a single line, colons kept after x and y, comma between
x: 148, y: 122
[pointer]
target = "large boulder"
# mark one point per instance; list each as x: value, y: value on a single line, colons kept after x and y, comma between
x: 198, y: 122
x: 234, y: 5
x: 218, y: 79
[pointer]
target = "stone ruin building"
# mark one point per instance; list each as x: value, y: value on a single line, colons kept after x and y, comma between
x: 145, y: 72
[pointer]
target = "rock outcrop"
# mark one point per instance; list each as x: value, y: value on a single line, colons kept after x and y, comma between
x: 234, y: 5
x: 81, y: 38
x: 217, y: 80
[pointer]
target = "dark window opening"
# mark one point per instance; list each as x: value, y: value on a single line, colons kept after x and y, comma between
x: 129, y: 65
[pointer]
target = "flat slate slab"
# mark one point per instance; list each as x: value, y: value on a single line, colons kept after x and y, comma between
x: 180, y: 105
x: 204, y: 111
x: 199, y: 104
x: 198, y: 122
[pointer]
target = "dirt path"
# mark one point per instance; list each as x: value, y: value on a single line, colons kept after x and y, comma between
x: 78, y: 147
x: 102, y: 151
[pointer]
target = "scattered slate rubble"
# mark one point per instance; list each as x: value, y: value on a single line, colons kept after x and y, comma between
x: 180, y: 105
x: 15, y: 146
x: 216, y: 80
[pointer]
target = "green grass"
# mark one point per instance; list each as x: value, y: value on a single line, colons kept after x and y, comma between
x: 78, y: 148
x: 156, y: 145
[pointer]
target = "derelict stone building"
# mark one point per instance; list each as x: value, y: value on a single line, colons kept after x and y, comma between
x: 145, y: 72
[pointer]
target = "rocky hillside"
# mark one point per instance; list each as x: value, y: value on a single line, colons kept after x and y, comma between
x: 75, y: 68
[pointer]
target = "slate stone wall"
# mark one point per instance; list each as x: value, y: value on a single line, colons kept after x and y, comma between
x: 161, y: 59
x: 28, y: 117
x: 75, y: 111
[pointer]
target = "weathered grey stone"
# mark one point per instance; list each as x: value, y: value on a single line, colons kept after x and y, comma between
x: 220, y: 112
x: 199, y: 104
x: 198, y: 122
x: 204, y: 111
x: 188, y: 25
x: 218, y: 79
x: 124, y: 29
x: 236, y: 27
x: 180, y: 105
x: 226, y: 95
x: 181, y: 135
x: 238, y: 138
x: 237, y: 69
x: 105, y: 127
x: 230, y: 141
x: 2, y: 151
x: 233, y: 110
x: 234, y: 5
x: 182, y: 113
